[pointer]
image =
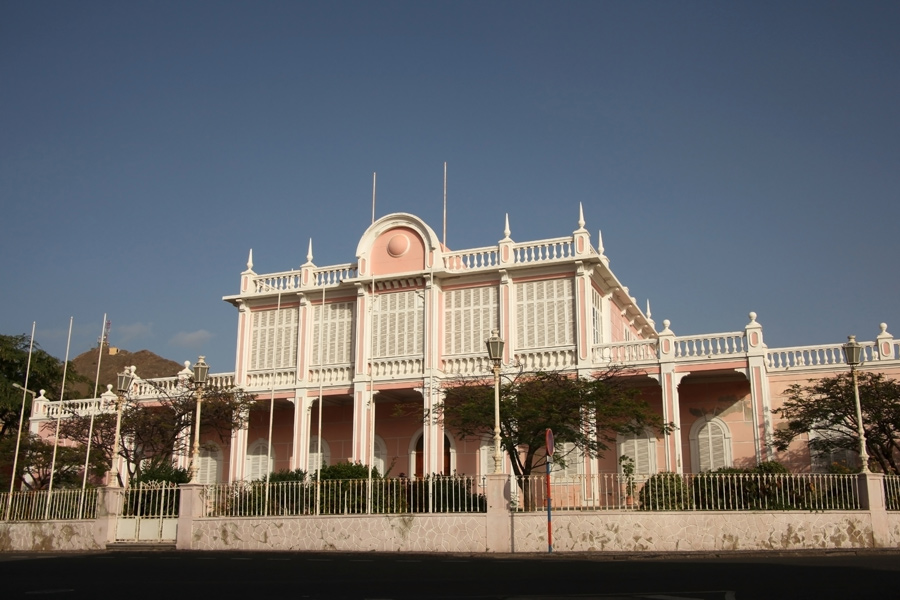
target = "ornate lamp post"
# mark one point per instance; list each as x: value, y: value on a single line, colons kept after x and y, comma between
x: 495, y: 353
x: 123, y: 386
x: 853, y: 357
x: 201, y: 370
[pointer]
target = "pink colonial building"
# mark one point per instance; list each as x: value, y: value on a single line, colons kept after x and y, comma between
x: 333, y: 351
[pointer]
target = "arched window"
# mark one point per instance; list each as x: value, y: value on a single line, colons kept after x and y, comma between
x: 210, y: 466
x: 317, y: 460
x: 417, y: 457
x: 380, y: 461
x: 641, y: 448
x: 710, y: 444
x: 571, y: 462
x: 256, y: 466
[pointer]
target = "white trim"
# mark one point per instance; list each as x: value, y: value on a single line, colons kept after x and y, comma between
x: 696, y: 428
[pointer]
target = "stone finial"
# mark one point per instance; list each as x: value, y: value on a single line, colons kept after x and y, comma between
x: 883, y: 327
x: 666, y: 324
x: 108, y: 389
x: 309, y: 254
x: 580, y: 217
x: 506, y: 230
x: 250, y: 260
x: 752, y: 316
x: 649, y: 314
x: 600, y: 242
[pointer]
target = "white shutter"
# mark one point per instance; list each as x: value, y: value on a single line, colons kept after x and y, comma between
x: 208, y: 467
x: 317, y: 460
x: 257, y: 467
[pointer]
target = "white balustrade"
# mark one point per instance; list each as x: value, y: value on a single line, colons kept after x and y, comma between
x: 477, y: 258
x: 815, y: 356
x: 335, y: 274
x: 279, y: 378
x: 397, y: 367
x: 626, y: 352
x: 545, y: 360
x: 467, y: 365
x: 707, y: 346
x: 544, y: 250
x: 330, y: 374
x: 44, y: 409
x: 276, y: 282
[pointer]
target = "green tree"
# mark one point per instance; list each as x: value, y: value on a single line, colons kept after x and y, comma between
x: 46, y: 373
x: 35, y: 458
x: 585, y: 414
x: 827, y: 408
x: 154, y: 429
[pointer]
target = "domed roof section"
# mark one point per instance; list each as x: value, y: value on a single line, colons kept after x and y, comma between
x: 397, y: 243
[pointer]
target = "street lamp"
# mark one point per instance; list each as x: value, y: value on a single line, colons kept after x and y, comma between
x: 201, y: 370
x: 853, y: 357
x: 495, y: 353
x: 123, y: 385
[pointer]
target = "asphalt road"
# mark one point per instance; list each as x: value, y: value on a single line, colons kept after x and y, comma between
x: 245, y: 575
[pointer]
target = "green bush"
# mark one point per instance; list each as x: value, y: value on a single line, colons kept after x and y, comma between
x: 665, y: 491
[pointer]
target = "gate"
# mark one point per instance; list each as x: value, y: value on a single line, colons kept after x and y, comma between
x: 148, y: 512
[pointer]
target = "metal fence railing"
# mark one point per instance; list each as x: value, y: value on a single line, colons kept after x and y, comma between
x: 697, y: 492
x: 150, y: 499
x: 892, y: 492
x: 436, y: 494
x: 43, y: 505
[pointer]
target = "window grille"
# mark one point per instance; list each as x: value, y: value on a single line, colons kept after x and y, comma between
x: 469, y: 316
x: 274, y: 340
x: 337, y: 336
x: 398, y: 324
x: 545, y: 313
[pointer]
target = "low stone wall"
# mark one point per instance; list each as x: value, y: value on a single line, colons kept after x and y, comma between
x: 48, y: 536
x: 411, y: 533
x: 695, y: 531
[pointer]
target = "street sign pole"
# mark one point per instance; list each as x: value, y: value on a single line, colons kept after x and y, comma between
x: 549, y: 461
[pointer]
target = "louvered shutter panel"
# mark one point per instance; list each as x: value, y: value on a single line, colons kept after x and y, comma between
x: 704, y: 444
x: 642, y: 455
x: 208, y: 467
x: 717, y: 446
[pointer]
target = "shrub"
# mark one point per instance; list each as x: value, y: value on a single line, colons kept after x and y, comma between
x: 665, y: 491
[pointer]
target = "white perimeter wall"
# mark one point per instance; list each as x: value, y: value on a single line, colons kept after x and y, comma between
x: 610, y: 532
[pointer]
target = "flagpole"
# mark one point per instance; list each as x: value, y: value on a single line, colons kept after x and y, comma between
x: 90, y: 439
x: 12, y: 479
x: 62, y: 391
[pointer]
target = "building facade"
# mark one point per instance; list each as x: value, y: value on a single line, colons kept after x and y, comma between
x: 337, y: 354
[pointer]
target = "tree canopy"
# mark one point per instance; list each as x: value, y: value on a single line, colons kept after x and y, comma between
x: 585, y: 414
x: 826, y: 408
x: 46, y: 374
x: 152, y: 431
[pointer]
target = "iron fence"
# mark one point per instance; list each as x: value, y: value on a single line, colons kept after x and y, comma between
x: 437, y: 494
x: 892, y: 492
x: 43, y: 505
x: 150, y: 499
x: 697, y: 492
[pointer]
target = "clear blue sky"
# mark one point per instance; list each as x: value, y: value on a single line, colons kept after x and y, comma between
x: 737, y: 156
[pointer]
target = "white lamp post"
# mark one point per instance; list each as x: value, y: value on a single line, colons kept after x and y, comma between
x: 852, y: 355
x: 123, y: 386
x: 495, y: 353
x: 201, y: 370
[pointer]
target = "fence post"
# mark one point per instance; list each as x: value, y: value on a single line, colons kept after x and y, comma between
x: 871, y: 498
x: 498, y: 534
x: 189, y: 509
x: 107, y: 515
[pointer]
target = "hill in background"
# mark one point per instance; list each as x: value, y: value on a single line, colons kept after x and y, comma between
x: 149, y: 365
